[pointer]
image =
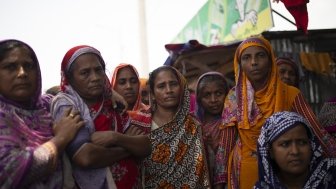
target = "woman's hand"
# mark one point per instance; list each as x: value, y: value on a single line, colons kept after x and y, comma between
x: 118, y: 102
x: 105, y: 138
x: 134, y: 131
x: 68, y: 126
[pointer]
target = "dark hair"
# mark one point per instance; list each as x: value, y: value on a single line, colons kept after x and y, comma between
x: 219, y: 80
x: 154, y: 73
x: 8, y: 45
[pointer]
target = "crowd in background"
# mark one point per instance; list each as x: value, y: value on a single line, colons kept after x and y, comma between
x: 124, y: 132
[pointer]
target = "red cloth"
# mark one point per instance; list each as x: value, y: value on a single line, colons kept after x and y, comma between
x: 298, y: 9
x: 126, y: 172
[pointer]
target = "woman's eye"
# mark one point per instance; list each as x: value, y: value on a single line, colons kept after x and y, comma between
x: 245, y: 58
x: 11, y: 67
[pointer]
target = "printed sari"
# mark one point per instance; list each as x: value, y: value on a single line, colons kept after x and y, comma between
x: 178, y: 158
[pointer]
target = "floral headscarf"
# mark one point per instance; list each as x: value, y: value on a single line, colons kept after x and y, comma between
x: 275, y: 126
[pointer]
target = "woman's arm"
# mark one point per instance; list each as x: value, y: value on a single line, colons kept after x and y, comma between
x: 139, y: 145
x: 94, y: 156
x: 45, y: 157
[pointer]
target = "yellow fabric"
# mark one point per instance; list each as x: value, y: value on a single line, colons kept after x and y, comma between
x: 317, y: 62
x: 275, y: 96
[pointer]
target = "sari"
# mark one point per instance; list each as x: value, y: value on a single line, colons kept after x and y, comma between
x: 98, y: 117
x: 214, y: 150
x: 322, y: 170
x: 246, y: 110
x: 25, y: 158
x: 178, y: 158
x: 138, y: 104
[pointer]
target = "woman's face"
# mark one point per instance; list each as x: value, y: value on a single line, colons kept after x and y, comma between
x: 88, y: 77
x: 167, y: 90
x: 212, y: 98
x: 127, y: 85
x: 256, y: 64
x: 18, y: 75
x: 287, y: 74
x: 292, y: 151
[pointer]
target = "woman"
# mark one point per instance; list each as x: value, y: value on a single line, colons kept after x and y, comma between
x: 31, y: 145
x: 288, y: 71
x: 327, y: 116
x: 258, y: 94
x: 100, y: 148
x: 290, y: 156
x: 126, y: 82
x: 178, y: 158
x: 144, y: 91
x: 211, y: 90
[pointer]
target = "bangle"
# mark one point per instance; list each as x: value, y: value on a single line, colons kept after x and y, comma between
x: 53, y: 155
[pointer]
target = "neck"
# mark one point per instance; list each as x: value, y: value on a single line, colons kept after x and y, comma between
x: 257, y: 86
x: 91, y: 102
x: 293, y: 181
x: 162, y: 116
x: 130, y: 106
x: 208, y: 118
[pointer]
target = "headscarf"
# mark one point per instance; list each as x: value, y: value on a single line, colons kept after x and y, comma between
x: 177, y: 148
x: 277, y: 125
x: 23, y: 130
x: 199, y: 110
x: 254, y: 105
x: 290, y: 62
x: 327, y: 116
x: 88, y: 178
x: 138, y: 104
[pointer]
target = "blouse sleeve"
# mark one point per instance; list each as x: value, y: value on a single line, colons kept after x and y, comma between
x: 327, y: 141
x: 83, y: 135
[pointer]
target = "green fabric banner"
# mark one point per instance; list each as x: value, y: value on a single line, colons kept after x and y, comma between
x: 227, y: 21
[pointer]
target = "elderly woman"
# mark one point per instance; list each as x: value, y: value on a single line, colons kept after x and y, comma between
x: 288, y: 71
x: 30, y: 143
x: 178, y: 159
x: 100, y: 148
x: 290, y: 156
x: 258, y: 94
x: 126, y: 82
x: 211, y: 90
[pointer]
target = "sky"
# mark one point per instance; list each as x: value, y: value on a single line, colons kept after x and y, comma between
x: 117, y: 28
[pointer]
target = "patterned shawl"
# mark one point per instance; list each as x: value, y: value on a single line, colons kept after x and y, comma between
x: 138, y: 104
x: 22, y: 131
x: 212, y: 130
x: 322, y: 170
x: 178, y: 157
x: 68, y: 97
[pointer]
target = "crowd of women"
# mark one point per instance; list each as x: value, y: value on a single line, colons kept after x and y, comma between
x: 123, y: 132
